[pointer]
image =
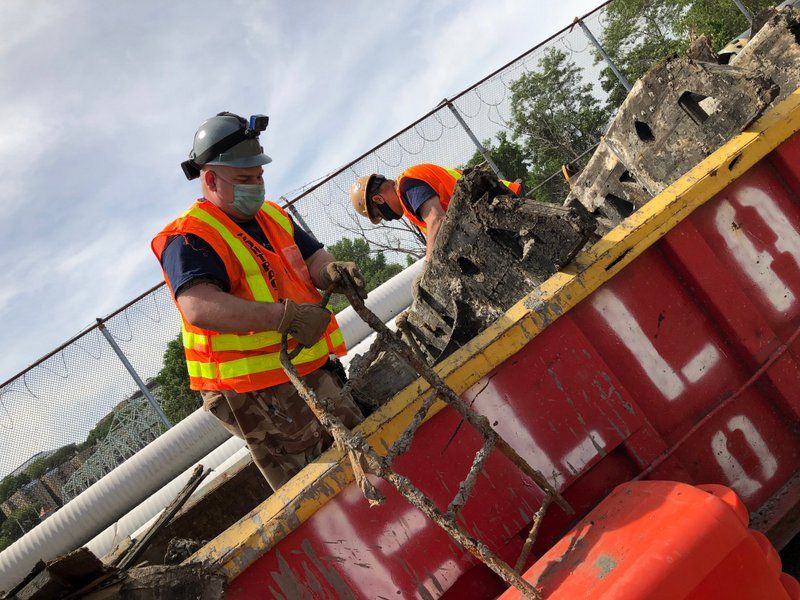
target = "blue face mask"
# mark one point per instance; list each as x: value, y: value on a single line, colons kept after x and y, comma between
x: 248, y: 198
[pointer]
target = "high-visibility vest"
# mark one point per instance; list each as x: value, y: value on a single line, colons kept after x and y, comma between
x: 249, y: 361
x: 442, y: 180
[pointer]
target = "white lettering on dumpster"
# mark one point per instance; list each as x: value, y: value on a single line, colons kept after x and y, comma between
x: 787, y: 237
x: 580, y: 456
x: 519, y: 438
x: 398, y: 533
x: 668, y: 381
x: 694, y: 370
x: 757, y: 264
x: 620, y: 319
x: 739, y: 480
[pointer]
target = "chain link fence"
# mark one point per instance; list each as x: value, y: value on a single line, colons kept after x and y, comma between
x: 546, y: 107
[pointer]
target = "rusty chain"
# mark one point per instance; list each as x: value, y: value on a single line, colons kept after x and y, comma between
x: 364, y: 459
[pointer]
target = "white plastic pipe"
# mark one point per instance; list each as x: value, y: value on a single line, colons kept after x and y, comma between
x: 105, y: 501
x: 164, y: 459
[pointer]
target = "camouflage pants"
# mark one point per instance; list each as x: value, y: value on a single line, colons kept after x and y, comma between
x: 280, y: 430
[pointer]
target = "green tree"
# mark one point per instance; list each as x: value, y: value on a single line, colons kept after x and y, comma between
x: 10, y: 484
x: 640, y: 33
x: 555, y: 119
x: 98, y: 432
x: 373, y: 266
x: 19, y: 521
x: 42, y: 465
x: 508, y: 156
x: 177, y: 399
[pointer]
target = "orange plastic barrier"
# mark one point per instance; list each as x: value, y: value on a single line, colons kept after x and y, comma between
x: 662, y: 539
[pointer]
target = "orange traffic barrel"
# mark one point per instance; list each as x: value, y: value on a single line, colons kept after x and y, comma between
x: 663, y: 540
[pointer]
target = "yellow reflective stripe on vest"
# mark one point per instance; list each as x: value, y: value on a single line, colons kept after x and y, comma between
x: 201, y: 369
x: 193, y: 340
x: 255, y: 364
x: 455, y: 174
x: 278, y: 217
x: 231, y: 341
x: 506, y: 183
x: 258, y: 285
x: 225, y: 342
x: 336, y: 337
x: 269, y: 362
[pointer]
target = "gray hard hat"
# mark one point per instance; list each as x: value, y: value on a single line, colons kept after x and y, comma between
x: 228, y: 140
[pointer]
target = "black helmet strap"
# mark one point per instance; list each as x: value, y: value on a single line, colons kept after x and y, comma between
x: 191, y: 167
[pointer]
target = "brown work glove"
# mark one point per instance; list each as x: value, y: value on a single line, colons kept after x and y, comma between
x: 332, y: 274
x: 305, y: 322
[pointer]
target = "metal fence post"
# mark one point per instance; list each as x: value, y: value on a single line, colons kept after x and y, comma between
x: 297, y: 217
x: 474, y: 139
x: 588, y: 33
x: 743, y: 9
x: 141, y: 384
x: 21, y: 528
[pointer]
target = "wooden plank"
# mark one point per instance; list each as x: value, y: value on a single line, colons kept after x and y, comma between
x: 170, y: 511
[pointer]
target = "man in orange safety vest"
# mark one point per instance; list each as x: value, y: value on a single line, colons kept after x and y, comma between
x: 242, y: 274
x: 421, y: 193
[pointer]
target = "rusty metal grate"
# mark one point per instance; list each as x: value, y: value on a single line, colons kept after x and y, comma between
x: 365, y: 459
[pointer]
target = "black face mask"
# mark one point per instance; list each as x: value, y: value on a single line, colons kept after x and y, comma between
x: 386, y: 212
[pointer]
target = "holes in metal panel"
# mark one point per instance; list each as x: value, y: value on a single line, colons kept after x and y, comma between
x: 690, y: 102
x: 623, y: 207
x: 467, y: 266
x: 643, y: 131
x: 734, y: 162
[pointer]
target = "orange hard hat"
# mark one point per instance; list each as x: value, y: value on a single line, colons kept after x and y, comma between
x: 361, y: 202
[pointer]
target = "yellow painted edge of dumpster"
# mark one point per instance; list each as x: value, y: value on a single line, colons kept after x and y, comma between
x: 236, y: 548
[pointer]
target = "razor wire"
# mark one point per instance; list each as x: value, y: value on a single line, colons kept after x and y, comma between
x: 82, y: 394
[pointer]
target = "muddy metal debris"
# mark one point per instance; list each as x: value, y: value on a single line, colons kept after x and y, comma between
x: 491, y: 250
x: 160, y: 582
x: 680, y: 112
x: 80, y: 574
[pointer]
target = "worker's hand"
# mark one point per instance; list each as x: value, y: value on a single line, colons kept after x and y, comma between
x: 305, y: 322
x: 333, y: 274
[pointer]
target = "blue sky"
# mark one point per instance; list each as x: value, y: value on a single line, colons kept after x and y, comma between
x: 99, y: 102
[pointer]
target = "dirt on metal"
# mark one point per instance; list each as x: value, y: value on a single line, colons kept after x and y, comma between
x: 683, y: 110
x: 491, y: 250
x: 160, y: 582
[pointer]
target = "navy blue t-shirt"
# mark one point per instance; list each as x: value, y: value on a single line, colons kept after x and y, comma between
x: 189, y: 257
x: 414, y: 193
